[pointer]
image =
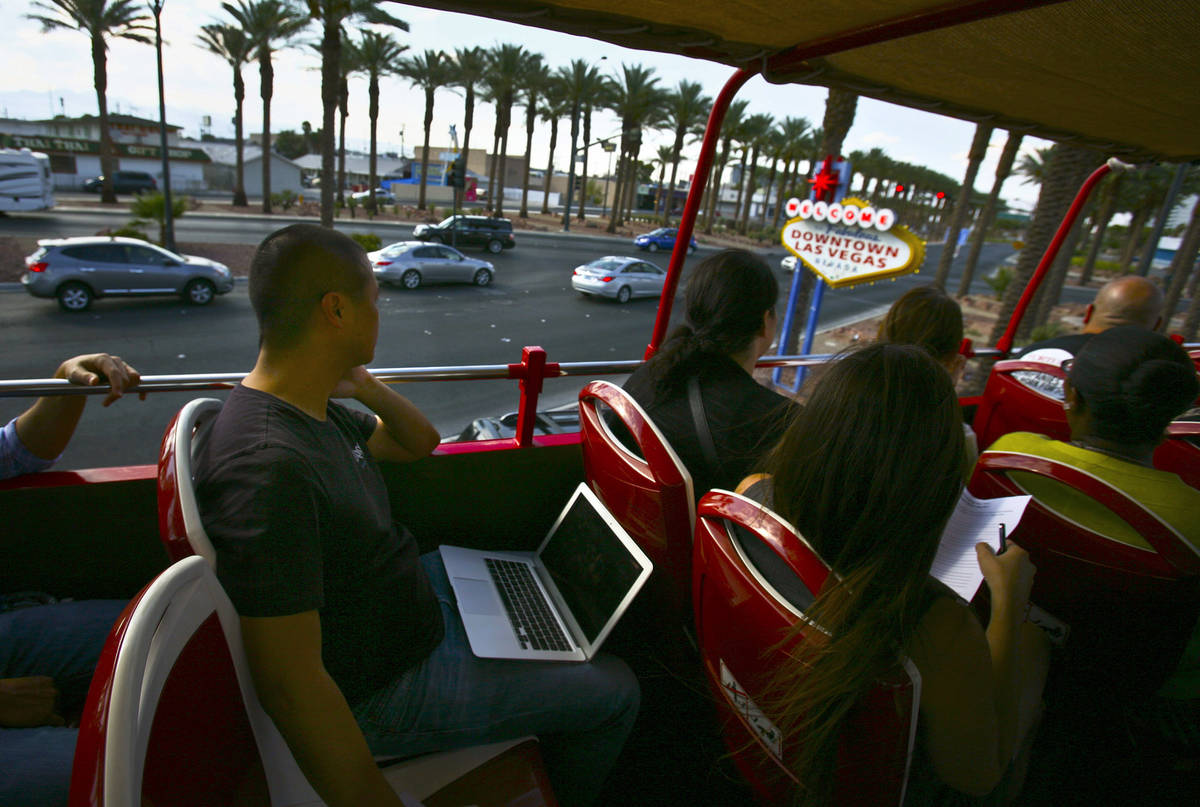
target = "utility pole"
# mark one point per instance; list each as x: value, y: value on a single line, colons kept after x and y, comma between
x: 168, y: 220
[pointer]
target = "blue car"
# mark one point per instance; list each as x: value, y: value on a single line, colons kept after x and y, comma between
x: 662, y: 238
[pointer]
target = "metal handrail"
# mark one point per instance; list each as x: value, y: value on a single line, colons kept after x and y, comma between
x: 38, y: 387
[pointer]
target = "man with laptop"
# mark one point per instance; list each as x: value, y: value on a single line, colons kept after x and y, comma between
x: 355, y: 642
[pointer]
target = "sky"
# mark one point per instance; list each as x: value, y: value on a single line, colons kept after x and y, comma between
x: 198, y: 84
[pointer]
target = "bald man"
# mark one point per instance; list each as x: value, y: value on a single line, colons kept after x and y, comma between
x: 1128, y: 300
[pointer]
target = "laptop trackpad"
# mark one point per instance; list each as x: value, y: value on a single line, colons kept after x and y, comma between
x: 477, y: 596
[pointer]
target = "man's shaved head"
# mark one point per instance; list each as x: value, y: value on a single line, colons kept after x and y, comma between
x: 1130, y: 300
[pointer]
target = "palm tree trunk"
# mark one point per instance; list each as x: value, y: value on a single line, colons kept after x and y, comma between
x: 1104, y: 217
x: 737, y: 205
x: 1065, y: 168
x: 1003, y: 169
x: 1135, y: 235
x: 239, y: 96
x: 784, y: 185
x: 343, y: 113
x: 424, y: 148
x: 491, y: 201
x: 500, y: 170
x: 530, y: 115
x: 331, y: 87
x: 583, y: 174
x: 670, y: 206
x: 615, y: 213
x: 750, y: 193
x: 1049, y: 296
x: 266, y: 89
x: 549, y: 167
x: 373, y: 115
x: 1182, y: 265
x: 468, y: 119
x: 100, y: 79
x: 714, y: 188
x: 962, y: 205
x: 762, y: 218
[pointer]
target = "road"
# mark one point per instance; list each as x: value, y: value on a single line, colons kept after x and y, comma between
x: 530, y: 303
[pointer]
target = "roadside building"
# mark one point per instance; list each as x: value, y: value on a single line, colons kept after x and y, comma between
x: 219, y: 173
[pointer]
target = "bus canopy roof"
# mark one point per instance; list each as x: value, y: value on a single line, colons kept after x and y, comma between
x: 1121, y: 77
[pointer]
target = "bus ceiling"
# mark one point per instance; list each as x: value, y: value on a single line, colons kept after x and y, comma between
x: 1123, y: 78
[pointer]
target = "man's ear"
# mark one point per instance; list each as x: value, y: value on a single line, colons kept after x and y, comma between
x: 1087, y: 315
x: 332, y: 305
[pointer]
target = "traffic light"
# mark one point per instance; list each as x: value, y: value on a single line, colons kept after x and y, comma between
x: 456, y: 177
x: 899, y: 189
x: 940, y: 195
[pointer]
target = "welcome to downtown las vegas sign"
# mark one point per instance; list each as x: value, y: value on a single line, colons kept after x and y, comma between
x: 850, y: 242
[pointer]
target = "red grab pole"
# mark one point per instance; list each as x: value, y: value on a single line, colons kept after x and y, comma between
x: 532, y: 370
x: 1085, y: 190
x: 683, y: 238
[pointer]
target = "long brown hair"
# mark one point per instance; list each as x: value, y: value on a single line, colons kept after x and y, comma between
x: 869, y: 473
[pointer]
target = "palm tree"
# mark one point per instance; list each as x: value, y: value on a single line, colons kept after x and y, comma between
x: 506, y: 67
x: 685, y: 112
x: 533, y: 84
x: 729, y: 130
x: 378, y: 55
x: 596, y: 90
x: 332, y: 13
x: 101, y: 20
x: 347, y: 63
x: 555, y: 107
x: 755, y: 133
x: 231, y: 44
x: 637, y: 101
x: 1063, y: 168
x: 664, y: 157
x: 1108, y: 195
x: 1003, y: 169
x: 429, y: 71
x: 794, y: 134
x: 962, y: 205
x: 470, y: 64
x: 269, y: 24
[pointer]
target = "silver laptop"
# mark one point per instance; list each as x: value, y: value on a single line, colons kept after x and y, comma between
x: 556, y: 604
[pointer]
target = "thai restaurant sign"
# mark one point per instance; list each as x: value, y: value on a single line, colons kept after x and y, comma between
x: 850, y: 242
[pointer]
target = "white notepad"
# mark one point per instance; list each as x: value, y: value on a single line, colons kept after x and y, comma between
x: 974, y: 521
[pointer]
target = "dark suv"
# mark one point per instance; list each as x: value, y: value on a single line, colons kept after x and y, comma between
x: 491, y: 234
x: 123, y: 182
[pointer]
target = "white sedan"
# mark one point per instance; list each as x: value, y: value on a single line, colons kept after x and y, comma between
x: 620, y: 278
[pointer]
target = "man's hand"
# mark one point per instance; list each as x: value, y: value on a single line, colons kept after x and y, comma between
x: 26, y: 703
x: 352, y: 384
x: 92, y: 369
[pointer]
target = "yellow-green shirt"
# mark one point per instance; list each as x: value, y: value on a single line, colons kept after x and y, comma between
x: 1161, y: 492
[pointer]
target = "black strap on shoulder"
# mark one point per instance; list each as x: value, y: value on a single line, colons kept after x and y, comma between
x: 700, y: 419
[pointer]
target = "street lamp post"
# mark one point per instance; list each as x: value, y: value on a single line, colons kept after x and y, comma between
x: 610, y: 147
x: 168, y: 220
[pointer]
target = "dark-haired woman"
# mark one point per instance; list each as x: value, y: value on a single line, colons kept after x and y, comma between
x: 1123, y: 388
x: 928, y: 317
x: 729, y: 322
x: 869, y: 473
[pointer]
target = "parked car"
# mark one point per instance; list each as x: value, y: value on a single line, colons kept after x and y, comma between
x: 788, y: 264
x: 382, y: 196
x: 78, y: 270
x: 123, y: 182
x: 621, y: 278
x: 559, y: 420
x: 662, y: 238
x: 411, y: 263
x: 491, y: 234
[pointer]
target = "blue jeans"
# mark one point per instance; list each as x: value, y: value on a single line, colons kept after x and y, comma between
x: 62, y: 641
x: 581, y: 713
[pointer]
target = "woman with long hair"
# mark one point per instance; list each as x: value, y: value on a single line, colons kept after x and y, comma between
x: 869, y: 472
x: 698, y: 388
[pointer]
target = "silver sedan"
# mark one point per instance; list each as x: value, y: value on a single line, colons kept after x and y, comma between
x: 621, y: 278
x: 411, y: 263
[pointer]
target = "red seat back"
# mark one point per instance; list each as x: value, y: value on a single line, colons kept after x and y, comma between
x: 1180, y: 452
x: 1130, y: 609
x: 1010, y: 405
x: 650, y: 495
x: 179, y: 524
x: 740, y: 623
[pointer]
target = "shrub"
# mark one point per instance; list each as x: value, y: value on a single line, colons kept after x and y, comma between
x: 1047, y: 330
x: 368, y: 241
x: 133, y: 229
x: 150, y: 206
x: 285, y: 199
x: 999, y: 280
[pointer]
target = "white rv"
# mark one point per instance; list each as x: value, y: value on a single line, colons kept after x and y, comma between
x: 25, y: 181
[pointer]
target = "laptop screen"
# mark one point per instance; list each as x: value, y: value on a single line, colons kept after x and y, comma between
x: 591, y: 567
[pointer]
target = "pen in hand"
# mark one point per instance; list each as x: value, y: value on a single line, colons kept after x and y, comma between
x: 1003, y: 542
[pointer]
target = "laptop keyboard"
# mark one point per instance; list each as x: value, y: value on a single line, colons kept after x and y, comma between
x: 532, y: 621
